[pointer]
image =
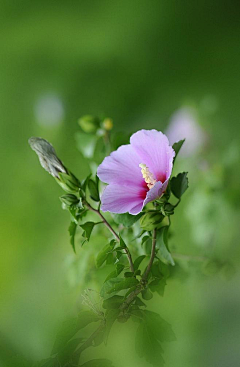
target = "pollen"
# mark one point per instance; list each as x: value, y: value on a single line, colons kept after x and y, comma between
x: 147, y: 175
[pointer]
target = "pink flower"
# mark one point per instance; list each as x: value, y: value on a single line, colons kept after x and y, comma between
x: 137, y: 173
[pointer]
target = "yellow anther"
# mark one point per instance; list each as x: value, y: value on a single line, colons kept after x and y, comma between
x: 147, y: 175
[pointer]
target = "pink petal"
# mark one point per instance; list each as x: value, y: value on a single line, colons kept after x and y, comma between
x: 121, y: 199
x: 155, y: 192
x: 121, y: 167
x: 154, y: 149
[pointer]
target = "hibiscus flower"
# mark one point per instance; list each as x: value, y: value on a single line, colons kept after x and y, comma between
x: 137, y: 173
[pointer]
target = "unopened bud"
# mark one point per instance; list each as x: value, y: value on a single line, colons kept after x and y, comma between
x: 108, y: 124
x: 69, y: 182
x: 70, y: 200
x: 89, y: 124
x: 151, y: 220
x: 47, y: 156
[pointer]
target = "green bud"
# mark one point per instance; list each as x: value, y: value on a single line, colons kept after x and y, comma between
x: 69, y: 200
x: 69, y: 182
x: 167, y: 209
x: 89, y: 124
x: 151, y: 220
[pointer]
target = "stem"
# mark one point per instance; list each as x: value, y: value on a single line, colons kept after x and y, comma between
x: 97, y: 211
x: 89, y: 341
x: 147, y: 271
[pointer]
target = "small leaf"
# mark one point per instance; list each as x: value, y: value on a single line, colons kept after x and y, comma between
x: 158, y: 285
x: 179, y: 184
x: 72, y: 231
x: 123, y: 284
x: 126, y: 219
x: 177, y: 146
x: 138, y: 261
x: 162, y: 244
x: 146, y: 294
x: 103, y: 254
x: 87, y: 230
x: 93, y: 188
x: 113, y: 302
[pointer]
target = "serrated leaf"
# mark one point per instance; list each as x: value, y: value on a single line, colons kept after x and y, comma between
x: 93, y: 189
x: 123, y: 284
x: 152, y: 331
x: 104, y: 293
x: 97, y: 363
x: 177, y: 146
x: 126, y: 219
x: 70, y: 327
x: 179, y: 184
x: 72, y: 231
x: 87, y: 230
x: 162, y: 245
x: 103, y: 254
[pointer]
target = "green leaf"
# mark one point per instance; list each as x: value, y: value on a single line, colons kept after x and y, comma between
x: 122, y: 243
x: 103, y: 254
x: 138, y: 261
x: 104, y: 293
x: 126, y: 219
x: 152, y: 331
x: 72, y: 231
x: 113, y: 302
x: 116, y: 272
x: 151, y: 220
x: 177, y: 146
x: 87, y: 230
x: 93, y: 189
x: 97, y: 363
x: 70, y: 327
x: 146, y: 294
x: 179, y: 184
x: 158, y: 285
x: 123, y: 284
x: 139, y: 302
x: 162, y: 245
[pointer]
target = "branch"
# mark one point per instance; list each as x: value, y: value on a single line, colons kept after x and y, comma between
x: 97, y: 211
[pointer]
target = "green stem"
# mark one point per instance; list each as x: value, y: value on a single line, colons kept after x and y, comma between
x: 153, y: 252
x: 108, y: 225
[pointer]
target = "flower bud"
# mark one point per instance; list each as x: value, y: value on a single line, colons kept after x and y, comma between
x: 69, y: 200
x: 68, y: 182
x: 151, y: 220
x: 167, y: 209
x: 47, y: 156
x: 89, y: 124
x: 108, y: 124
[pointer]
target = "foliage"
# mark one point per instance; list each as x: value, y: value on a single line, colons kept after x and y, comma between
x: 131, y: 281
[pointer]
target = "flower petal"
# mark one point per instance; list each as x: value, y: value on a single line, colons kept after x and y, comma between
x: 154, y: 149
x: 121, y: 167
x: 155, y: 192
x: 121, y: 199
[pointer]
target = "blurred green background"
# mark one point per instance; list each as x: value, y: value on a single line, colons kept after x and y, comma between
x: 138, y: 62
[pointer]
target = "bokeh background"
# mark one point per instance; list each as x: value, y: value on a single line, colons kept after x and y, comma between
x: 173, y: 66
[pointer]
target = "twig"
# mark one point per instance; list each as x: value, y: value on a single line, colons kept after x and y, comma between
x: 97, y: 211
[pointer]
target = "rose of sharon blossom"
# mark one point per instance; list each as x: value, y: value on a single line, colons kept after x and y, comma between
x: 136, y: 173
